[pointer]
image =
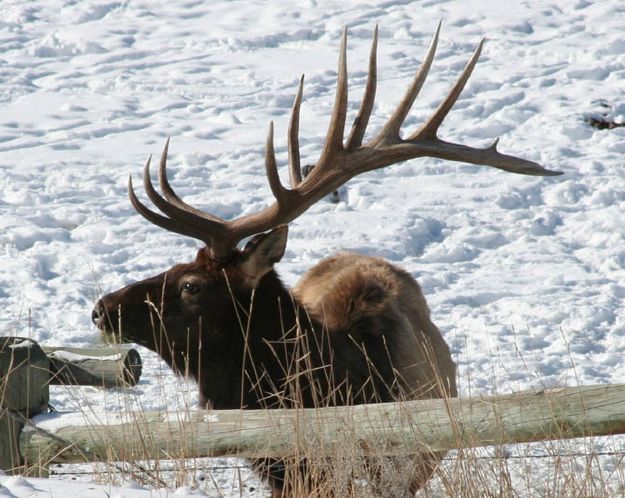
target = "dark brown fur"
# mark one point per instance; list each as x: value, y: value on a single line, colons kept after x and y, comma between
x: 363, y: 323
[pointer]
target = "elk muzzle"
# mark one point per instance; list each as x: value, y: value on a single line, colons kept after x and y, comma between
x: 127, y: 315
x: 106, y: 317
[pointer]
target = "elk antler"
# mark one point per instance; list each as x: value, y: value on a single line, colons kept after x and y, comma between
x: 337, y: 163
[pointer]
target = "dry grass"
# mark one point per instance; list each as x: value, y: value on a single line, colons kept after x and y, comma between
x: 586, y: 467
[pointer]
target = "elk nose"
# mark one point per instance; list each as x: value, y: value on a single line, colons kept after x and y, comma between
x: 98, y: 313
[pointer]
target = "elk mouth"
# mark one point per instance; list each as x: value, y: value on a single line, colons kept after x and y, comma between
x: 115, y: 330
x: 107, y: 324
x: 110, y: 335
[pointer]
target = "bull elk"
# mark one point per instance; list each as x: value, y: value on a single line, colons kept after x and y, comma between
x: 355, y: 329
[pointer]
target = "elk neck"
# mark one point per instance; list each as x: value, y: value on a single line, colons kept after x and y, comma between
x: 241, y: 369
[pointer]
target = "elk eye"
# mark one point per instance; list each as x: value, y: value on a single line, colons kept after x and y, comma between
x: 191, y: 288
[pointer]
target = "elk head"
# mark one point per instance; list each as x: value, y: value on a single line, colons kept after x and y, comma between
x: 196, y: 310
x: 192, y: 303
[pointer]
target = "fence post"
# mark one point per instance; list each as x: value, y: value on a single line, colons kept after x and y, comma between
x: 24, y: 393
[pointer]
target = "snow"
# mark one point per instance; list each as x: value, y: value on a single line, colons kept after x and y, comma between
x: 19, y: 487
x: 26, y: 343
x: 69, y: 356
x: 523, y: 275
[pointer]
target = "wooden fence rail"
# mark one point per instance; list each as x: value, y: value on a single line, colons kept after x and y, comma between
x: 99, y: 367
x: 390, y: 428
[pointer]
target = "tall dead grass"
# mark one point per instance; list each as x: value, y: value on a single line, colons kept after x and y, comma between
x: 577, y: 468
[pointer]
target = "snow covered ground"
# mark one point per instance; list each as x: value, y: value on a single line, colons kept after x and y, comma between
x: 524, y: 276
x: 19, y: 487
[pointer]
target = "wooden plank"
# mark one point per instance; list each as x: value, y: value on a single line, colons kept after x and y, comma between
x: 390, y: 428
x: 100, y: 367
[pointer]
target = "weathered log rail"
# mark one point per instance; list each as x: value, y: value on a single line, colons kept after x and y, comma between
x: 98, y: 367
x: 380, y: 429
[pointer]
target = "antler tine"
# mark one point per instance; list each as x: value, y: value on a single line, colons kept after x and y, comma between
x: 430, y: 127
x: 157, y: 219
x: 187, y: 223
x: 362, y: 118
x: 336, y: 129
x: 169, y: 193
x: 171, y: 196
x: 271, y: 167
x: 295, y: 169
x: 162, y: 204
x: 147, y: 213
x: 390, y: 132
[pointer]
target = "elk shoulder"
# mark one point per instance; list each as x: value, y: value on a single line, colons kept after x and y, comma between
x: 367, y: 299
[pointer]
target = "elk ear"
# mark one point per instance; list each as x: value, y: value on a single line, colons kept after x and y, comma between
x: 262, y: 252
